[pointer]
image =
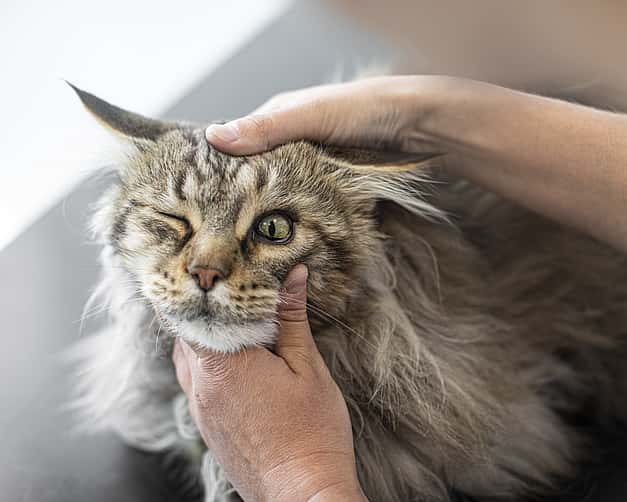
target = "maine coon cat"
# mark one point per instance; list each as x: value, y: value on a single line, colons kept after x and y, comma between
x: 464, y: 332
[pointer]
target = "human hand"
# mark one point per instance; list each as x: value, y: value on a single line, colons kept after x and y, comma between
x: 383, y: 112
x: 276, y: 422
x: 559, y: 159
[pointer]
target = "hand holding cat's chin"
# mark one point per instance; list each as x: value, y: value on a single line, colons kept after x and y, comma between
x: 275, y: 421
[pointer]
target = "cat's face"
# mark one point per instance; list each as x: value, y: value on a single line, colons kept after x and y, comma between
x: 208, y: 238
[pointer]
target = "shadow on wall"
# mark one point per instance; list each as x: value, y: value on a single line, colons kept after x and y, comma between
x: 571, y: 48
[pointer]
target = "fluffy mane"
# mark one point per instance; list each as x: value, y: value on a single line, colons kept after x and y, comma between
x: 464, y: 332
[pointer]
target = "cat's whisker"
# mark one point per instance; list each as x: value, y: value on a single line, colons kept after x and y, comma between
x: 104, y: 308
x: 152, y: 321
x: 322, y: 312
x: 157, y: 335
x: 318, y: 310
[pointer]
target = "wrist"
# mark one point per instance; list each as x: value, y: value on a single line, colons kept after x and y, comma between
x: 455, y: 115
x: 470, y: 119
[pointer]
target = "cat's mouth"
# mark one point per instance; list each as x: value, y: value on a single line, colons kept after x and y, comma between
x: 209, y: 310
x: 201, y: 312
x: 219, y: 323
x: 225, y: 318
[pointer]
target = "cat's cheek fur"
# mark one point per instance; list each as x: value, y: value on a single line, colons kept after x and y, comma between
x: 226, y: 337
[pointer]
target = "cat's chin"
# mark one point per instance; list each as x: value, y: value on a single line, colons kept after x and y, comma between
x: 223, y: 337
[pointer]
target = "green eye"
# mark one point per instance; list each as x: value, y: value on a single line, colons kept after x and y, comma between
x: 275, y: 227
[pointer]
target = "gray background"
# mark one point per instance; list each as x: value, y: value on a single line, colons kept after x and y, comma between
x: 48, y: 272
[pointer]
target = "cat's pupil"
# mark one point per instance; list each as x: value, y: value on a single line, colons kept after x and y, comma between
x: 271, y: 228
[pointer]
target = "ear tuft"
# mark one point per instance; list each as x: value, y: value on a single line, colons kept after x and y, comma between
x: 366, y: 160
x: 128, y: 124
x: 390, y: 176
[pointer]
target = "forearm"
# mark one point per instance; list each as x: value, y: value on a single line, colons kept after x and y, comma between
x: 562, y: 160
x: 566, y: 161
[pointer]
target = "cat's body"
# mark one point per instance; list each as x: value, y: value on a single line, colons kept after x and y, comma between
x: 463, y: 348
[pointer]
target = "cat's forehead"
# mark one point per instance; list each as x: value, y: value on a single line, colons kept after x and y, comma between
x: 183, y: 170
x: 185, y: 162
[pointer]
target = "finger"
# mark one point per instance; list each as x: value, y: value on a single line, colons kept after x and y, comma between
x: 205, y: 364
x: 260, y: 132
x: 295, y: 343
x: 212, y: 373
x: 181, y: 365
x: 214, y: 364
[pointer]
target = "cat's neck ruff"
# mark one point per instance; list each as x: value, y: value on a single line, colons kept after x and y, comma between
x: 226, y: 337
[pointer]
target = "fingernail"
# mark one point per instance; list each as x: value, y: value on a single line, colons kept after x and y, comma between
x: 296, y: 280
x: 228, y: 133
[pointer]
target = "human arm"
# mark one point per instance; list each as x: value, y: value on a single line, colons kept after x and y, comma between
x: 560, y: 159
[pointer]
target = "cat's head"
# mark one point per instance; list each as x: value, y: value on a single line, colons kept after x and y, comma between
x: 208, y: 238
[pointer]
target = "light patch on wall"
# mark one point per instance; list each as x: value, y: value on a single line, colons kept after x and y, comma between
x: 140, y: 55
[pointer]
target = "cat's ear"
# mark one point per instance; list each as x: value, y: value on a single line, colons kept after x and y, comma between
x: 400, y: 178
x: 381, y: 161
x: 121, y: 122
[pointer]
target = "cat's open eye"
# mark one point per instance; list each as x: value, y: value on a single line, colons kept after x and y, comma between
x: 274, y: 227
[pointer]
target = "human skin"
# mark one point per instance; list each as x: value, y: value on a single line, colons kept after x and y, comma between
x: 275, y: 421
x: 563, y: 160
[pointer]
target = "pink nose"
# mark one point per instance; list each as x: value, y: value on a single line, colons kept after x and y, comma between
x: 206, y: 278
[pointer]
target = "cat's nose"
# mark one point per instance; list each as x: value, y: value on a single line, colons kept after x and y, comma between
x: 205, y: 277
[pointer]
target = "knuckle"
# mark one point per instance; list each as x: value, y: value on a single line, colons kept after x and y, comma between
x: 213, y: 362
x: 262, y: 126
x: 216, y: 375
x: 212, y: 380
x: 277, y: 99
x: 296, y: 316
x: 323, y: 119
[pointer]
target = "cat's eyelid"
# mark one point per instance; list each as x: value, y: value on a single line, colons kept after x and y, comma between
x: 170, y: 215
x: 287, y: 212
x: 189, y: 230
x: 181, y: 219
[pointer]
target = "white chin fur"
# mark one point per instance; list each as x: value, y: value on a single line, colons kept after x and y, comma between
x: 227, y: 338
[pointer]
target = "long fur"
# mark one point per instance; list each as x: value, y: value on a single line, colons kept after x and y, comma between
x: 464, y: 332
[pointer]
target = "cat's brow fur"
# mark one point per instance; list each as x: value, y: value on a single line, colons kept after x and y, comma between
x: 461, y: 346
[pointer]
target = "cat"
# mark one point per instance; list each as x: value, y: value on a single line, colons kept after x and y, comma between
x: 464, y: 331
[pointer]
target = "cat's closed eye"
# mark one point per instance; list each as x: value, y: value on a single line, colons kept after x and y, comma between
x: 180, y: 222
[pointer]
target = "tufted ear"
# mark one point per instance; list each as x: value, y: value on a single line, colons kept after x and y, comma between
x: 365, y: 160
x: 401, y: 178
x: 124, y: 123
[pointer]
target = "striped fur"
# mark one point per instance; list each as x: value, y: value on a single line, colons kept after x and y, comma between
x: 464, y: 332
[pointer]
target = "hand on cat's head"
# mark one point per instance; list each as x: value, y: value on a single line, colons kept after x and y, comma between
x: 372, y: 112
x: 280, y: 410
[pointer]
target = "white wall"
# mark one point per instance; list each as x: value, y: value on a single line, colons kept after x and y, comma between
x: 138, y: 54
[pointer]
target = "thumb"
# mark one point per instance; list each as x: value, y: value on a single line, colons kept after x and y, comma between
x: 294, y: 342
